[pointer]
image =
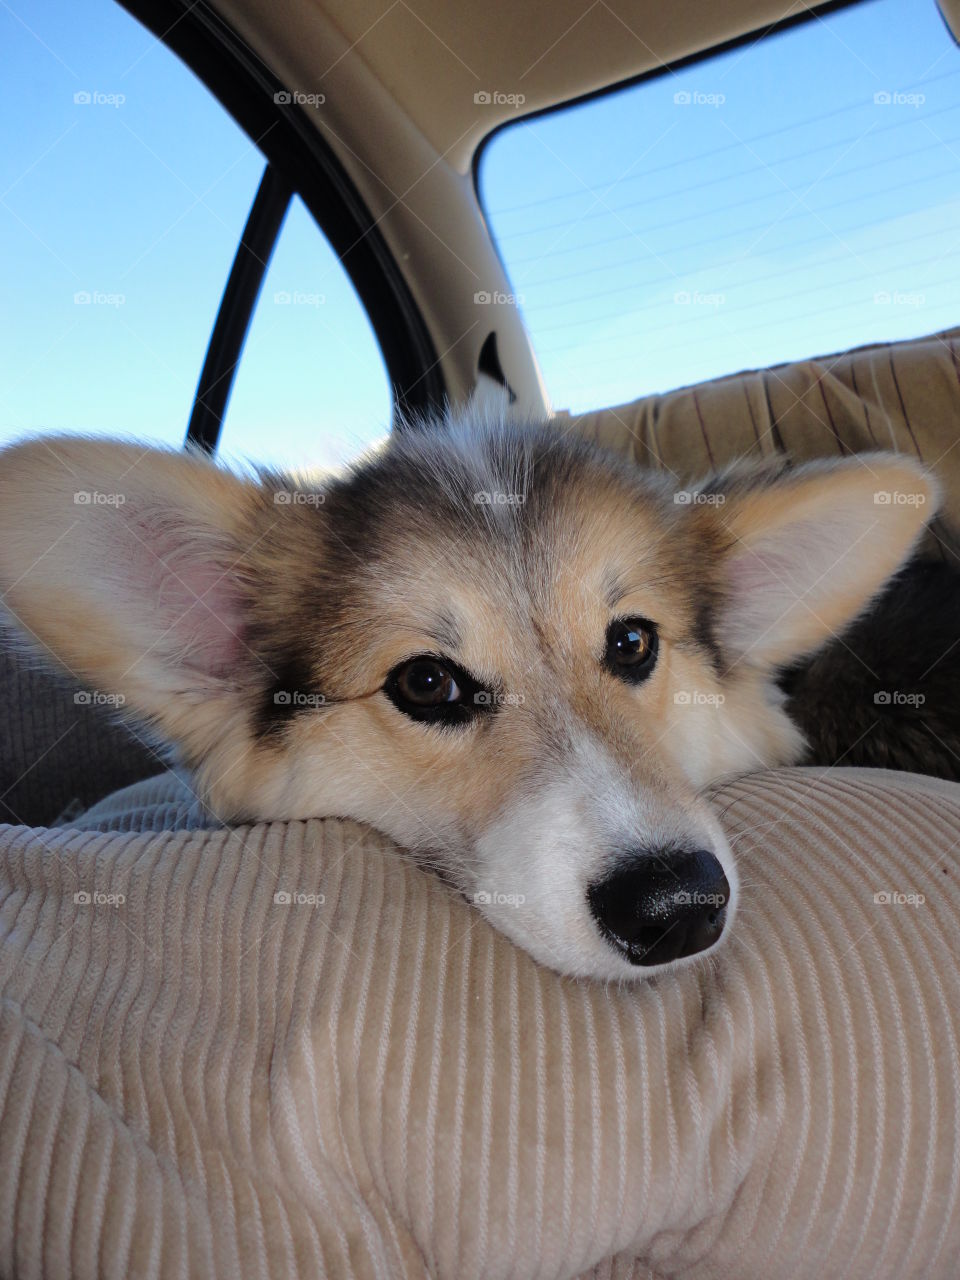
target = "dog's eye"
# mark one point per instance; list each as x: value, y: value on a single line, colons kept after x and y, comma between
x: 425, y: 683
x: 428, y: 689
x: 631, y: 648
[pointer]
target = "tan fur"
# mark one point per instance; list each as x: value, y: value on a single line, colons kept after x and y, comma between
x: 759, y: 517
x: 194, y: 595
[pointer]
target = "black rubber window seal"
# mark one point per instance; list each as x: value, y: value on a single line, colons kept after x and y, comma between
x: 237, y: 305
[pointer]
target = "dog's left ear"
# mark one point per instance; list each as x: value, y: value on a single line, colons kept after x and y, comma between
x: 805, y: 551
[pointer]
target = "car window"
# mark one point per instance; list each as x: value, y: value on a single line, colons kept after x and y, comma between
x: 311, y: 388
x: 791, y: 196
x: 124, y: 189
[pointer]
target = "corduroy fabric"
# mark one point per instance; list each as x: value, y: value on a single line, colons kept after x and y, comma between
x: 167, y: 802
x: 60, y: 748
x: 203, y: 1081
x: 903, y: 396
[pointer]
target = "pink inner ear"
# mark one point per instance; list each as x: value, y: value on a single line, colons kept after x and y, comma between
x: 183, y: 582
x: 769, y: 579
x: 751, y: 571
x: 794, y: 560
x: 210, y: 627
x: 778, y: 585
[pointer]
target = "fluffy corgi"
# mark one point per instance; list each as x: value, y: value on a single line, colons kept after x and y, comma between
x: 517, y: 655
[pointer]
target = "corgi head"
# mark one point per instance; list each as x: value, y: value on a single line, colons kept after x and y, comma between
x: 517, y: 655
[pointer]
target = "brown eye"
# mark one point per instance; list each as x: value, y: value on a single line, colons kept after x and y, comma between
x: 425, y: 683
x: 436, y: 691
x: 631, y: 648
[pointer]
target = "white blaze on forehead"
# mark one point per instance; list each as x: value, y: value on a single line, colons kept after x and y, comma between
x: 533, y: 863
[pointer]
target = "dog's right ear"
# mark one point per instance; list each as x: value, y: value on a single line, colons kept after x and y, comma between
x: 130, y: 567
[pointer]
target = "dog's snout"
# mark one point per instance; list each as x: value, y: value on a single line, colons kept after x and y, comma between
x: 661, y: 906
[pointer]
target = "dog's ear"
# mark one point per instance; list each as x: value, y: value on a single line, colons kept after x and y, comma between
x: 805, y: 550
x: 128, y: 566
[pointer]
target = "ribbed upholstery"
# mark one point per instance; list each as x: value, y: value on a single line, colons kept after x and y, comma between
x: 163, y: 803
x: 201, y: 1081
x: 903, y: 396
x: 59, y: 749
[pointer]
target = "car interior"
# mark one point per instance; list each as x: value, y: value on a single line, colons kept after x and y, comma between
x: 199, y: 1082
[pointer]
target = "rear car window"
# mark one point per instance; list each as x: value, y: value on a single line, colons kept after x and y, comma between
x: 794, y: 195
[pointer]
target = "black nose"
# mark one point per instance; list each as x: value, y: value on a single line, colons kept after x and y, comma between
x: 659, y: 906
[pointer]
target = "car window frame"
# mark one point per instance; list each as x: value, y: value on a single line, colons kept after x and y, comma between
x: 299, y: 162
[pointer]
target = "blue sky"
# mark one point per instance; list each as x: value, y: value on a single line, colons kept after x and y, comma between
x: 786, y: 199
x: 141, y: 204
x: 783, y: 210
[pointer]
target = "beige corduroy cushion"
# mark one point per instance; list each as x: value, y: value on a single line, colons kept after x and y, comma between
x: 903, y: 396
x: 201, y: 1081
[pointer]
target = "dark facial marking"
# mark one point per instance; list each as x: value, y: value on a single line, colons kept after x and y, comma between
x: 704, y: 634
x: 290, y: 693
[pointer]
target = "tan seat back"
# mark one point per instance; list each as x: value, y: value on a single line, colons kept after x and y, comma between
x: 902, y: 396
